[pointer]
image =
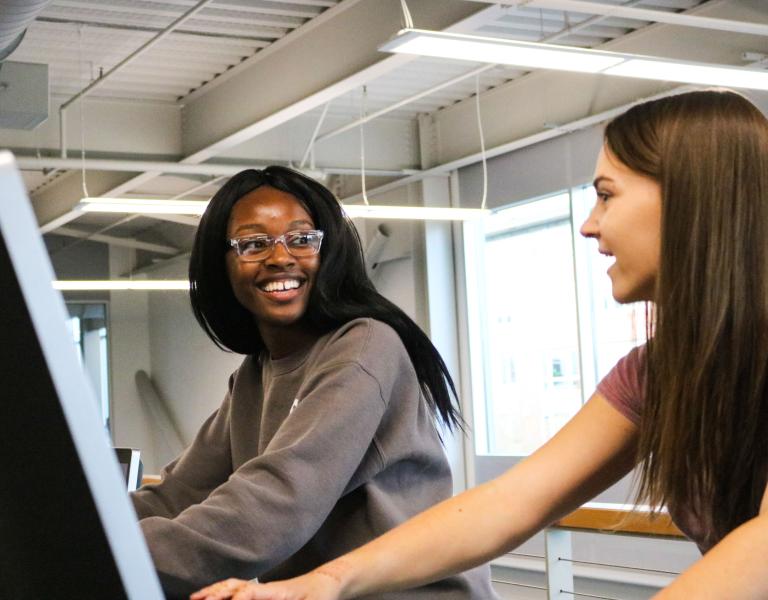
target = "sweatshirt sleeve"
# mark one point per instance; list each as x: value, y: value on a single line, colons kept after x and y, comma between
x: 274, y: 503
x: 191, y: 477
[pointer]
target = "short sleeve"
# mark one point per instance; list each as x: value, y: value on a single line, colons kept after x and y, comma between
x: 623, y: 385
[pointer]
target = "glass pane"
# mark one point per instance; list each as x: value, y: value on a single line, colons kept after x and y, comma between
x: 87, y: 322
x: 532, y: 378
x: 73, y: 325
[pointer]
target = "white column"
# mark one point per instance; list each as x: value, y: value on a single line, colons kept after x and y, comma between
x: 559, y: 572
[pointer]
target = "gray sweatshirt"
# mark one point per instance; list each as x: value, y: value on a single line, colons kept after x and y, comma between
x: 308, y: 457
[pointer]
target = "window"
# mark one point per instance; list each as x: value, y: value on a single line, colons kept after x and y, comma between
x: 87, y: 325
x: 546, y: 327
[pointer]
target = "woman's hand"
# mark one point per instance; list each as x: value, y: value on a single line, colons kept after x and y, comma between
x: 313, y: 586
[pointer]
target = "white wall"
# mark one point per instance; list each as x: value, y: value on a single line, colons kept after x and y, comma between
x: 129, y: 352
x: 188, y: 370
x: 157, y: 333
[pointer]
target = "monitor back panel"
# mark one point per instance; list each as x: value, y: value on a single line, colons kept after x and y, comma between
x: 52, y: 543
x: 67, y: 529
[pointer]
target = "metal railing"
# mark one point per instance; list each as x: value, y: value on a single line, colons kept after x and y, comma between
x: 599, y: 518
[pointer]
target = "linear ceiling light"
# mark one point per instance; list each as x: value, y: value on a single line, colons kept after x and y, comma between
x: 143, y: 206
x: 495, y: 50
x: 197, y: 207
x: 563, y: 58
x: 686, y: 72
x: 416, y: 213
x: 121, y: 284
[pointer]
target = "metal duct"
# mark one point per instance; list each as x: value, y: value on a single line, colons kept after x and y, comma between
x: 15, y: 17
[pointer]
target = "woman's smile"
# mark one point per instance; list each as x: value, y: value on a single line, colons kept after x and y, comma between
x: 282, y: 289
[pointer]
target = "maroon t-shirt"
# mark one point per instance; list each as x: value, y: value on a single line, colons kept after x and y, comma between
x: 623, y: 387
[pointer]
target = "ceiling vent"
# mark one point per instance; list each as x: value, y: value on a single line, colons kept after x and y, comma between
x: 23, y: 86
x: 23, y: 95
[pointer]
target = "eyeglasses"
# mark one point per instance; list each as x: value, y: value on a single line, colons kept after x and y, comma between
x: 253, y: 248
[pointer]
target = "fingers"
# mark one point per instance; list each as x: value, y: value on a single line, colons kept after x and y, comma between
x: 280, y: 590
x: 220, y: 591
x: 267, y: 591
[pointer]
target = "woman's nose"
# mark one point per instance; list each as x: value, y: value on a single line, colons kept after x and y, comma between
x: 280, y: 254
x: 590, y: 227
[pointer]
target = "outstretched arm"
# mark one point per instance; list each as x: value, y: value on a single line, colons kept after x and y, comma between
x: 595, y: 449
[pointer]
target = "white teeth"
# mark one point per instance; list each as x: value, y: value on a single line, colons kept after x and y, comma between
x: 279, y: 286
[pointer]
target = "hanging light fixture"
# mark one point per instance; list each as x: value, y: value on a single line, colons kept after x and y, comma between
x: 93, y: 285
x: 150, y: 206
x: 536, y: 55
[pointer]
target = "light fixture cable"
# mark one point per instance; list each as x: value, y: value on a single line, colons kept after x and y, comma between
x: 363, y: 111
x: 407, y: 20
x: 482, y: 142
x: 82, y: 119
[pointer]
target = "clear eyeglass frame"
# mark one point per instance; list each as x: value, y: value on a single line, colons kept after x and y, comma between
x: 300, y: 244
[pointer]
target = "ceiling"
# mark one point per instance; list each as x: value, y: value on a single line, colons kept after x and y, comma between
x: 178, y: 93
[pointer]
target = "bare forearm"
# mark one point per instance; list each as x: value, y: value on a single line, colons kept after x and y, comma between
x: 453, y: 536
x: 735, y: 568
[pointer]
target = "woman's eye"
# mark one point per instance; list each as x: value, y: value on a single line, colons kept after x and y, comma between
x: 603, y: 196
x: 254, y: 245
x: 301, y: 239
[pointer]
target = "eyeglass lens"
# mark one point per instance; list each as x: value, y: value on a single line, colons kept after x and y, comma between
x: 297, y: 243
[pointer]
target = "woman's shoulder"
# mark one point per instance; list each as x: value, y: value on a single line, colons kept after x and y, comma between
x: 365, y: 340
x: 249, y: 368
x: 623, y: 385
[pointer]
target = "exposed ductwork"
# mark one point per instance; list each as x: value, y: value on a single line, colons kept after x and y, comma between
x: 15, y: 17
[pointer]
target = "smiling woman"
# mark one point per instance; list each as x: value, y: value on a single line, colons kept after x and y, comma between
x: 327, y: 435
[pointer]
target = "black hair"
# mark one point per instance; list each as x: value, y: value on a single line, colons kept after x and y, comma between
x: 342, y: 290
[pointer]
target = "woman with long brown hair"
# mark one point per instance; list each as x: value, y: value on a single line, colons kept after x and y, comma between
x: 682, y: 206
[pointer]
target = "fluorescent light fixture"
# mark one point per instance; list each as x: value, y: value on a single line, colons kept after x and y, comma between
x: 500, y: 51
x: 144, y: 206
x: 564, y: 58
x: 684, y: 72
x: 121, y: 284
x: 197, y: 207
x: 420, y: 213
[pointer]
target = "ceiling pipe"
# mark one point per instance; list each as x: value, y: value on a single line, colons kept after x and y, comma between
x: 15, y: 17
x: 179, y: 168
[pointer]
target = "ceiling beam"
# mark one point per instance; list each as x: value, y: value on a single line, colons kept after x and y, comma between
x: 264, y: 95
x: 131, y: 166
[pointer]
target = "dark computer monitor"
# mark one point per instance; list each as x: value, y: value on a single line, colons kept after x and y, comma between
x: 67, y: 529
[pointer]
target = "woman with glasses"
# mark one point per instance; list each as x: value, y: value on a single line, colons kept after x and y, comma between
x: 682, y: 207
x: 327, y: 435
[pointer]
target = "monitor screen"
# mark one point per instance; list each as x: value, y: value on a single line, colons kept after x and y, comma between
x: 67, y: 529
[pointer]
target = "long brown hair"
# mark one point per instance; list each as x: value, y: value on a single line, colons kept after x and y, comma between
x: 704, y: 431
